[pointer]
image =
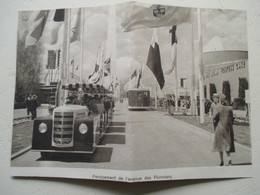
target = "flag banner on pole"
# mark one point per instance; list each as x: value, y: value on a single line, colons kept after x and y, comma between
x: 134, y: 74
x: 183, y: 83
x: 139, y: 79
x: 97, y: 76
x: 36, y: 32
x: 174, y: 51
x: 134, y: 80
x: 52, y: 35
x: 154, y: 60
x: 59, y: 15
x: 51, y: 59
x: 107, y: 67
x: 75, y: 25
x: 151, y: 16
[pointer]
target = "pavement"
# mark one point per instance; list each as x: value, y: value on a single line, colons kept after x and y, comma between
x: 140, y: 140
x: 41, y: 111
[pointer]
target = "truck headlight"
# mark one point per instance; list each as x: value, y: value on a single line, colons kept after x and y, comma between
x: 42, y: 128
x: 83, y: 128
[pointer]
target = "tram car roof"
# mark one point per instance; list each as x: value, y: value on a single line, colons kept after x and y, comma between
x: 87, y: 88
x: 138, y: 89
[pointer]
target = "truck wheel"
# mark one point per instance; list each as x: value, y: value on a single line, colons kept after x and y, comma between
x: 45, y: 155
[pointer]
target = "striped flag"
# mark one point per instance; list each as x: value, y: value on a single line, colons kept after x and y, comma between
x: 97, y: 76
x: 38, y: 26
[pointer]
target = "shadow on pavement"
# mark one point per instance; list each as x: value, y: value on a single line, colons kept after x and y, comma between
x: 112, y: 139
x: 116, y: 130
x: 100, y: 155
x: 118, y: 124
x: 238, y: 164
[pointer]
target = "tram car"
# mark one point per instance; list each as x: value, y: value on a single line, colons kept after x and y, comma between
x: 77, y: 126
x: 138, y: 99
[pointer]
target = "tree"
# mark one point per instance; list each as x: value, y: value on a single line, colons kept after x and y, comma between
x: 28, y: 69
x: 212, y: 90
x: 243, y: 85
x: 226, y: 91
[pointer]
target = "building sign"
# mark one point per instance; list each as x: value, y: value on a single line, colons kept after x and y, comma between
x: 217, y: 69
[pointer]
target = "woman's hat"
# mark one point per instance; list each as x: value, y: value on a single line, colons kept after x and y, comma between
x: 215, y: 95
x: 222, y: 96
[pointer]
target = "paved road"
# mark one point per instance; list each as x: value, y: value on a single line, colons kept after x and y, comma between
x: 41, y: 111
x: 143, y: 140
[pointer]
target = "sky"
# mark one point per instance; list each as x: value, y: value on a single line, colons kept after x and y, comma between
x: 221, y: 30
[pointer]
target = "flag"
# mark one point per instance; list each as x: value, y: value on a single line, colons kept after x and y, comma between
x: 75, y: 25
x: 51, y: 59
x: 154, y: 60
x: 151, y: 16
x: 52, y: 36
x: 183, y: 84
x: 134, y: 74
x: 107, y: 67
x: 139, y: 79
x: 59, y: 15
x: 97, y: 76
x: 174, y: 51
x: 38, y: 26
x: 134, y: 80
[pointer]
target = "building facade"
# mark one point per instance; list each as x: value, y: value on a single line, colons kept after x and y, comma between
x: 226, y: 72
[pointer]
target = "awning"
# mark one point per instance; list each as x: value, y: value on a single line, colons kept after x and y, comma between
x: 87, y: 87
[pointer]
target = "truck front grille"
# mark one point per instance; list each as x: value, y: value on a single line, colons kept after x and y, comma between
x: 63, y: 129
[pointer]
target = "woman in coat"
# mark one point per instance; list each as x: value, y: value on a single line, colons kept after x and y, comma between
x: 224, y: 135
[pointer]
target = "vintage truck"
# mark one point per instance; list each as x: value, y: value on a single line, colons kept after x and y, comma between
x: 73, y: 127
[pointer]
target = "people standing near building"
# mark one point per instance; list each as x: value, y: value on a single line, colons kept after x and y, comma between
x: 224, y: 134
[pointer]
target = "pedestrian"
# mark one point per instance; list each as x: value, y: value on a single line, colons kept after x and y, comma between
x: 207, y: 106
x: 33, y: 106
x: 112, y: 104
x: 213, y: 108
x: 223, y: 128
x: 198, y: 106
x: 27, y: 103
x: 107, y: 106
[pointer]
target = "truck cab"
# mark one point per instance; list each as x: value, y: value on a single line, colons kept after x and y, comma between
x: 73, y: 127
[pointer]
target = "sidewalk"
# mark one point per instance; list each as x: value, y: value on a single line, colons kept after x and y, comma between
x: 22, y: 133
x: 241, y: 131
x: 41, y: 111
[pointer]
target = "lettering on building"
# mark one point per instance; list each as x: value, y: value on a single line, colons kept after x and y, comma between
x: 223, y: 68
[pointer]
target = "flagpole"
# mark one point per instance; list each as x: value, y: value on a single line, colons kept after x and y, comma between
x: 81, y: 42
x: 176, y: 83
x: 201, y: 81
x: 66, y: 51
x: 192, y: 93
x: 112, y: 42
x: 155, y: 98
x: 67, y: 45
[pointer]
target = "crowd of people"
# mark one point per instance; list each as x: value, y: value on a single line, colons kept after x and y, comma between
x: 31, y: 102
x: 91, y: 101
